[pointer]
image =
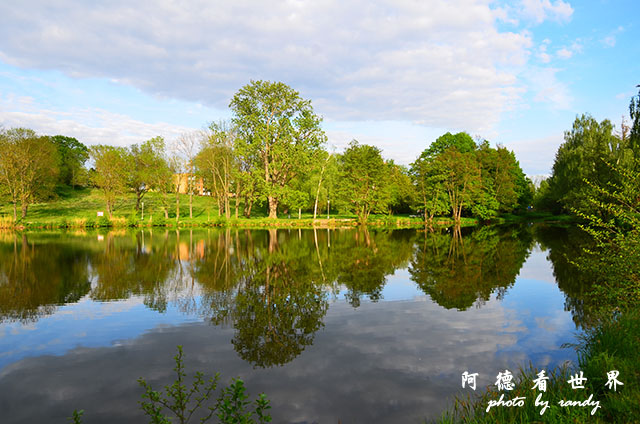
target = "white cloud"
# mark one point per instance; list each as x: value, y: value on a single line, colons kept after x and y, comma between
x: 564, y: 53
x: 89, y: 125
x: 540, y: 10
x: 440, y: 63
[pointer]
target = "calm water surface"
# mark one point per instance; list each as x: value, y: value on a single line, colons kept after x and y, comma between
x: 343, y: 325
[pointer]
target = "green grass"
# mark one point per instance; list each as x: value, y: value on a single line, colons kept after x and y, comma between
x: 612, y: 345
x: 78, y: 208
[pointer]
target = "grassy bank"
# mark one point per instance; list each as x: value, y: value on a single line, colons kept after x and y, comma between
x: 79, y: 209
x: 612, y: 345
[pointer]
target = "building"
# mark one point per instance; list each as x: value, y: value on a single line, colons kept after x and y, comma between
x: 182, y: 182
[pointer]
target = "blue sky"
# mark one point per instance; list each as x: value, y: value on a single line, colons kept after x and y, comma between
x: 396, y: 74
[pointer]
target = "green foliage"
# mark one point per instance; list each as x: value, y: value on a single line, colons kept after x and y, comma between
x: 148, y: 168
x: 278, y: 135
x: 614, y: 262
x: 72, y: 156
x: 364, y: 180
x: 461, y: 141
x: 112, y: 172
x: 233, y: 405
x: 610, y: 346
x: 182, y: 402
x: 28, y: 167
x: 104, y: 221
x: 584, y: 155
x: 76, y: 418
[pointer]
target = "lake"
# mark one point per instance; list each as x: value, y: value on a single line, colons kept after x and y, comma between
x: 344, y: 325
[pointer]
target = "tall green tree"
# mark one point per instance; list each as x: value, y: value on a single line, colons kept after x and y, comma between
x: 148, y: 167
x: 112, y: 172
x: 462, y: 179
x: 28, y: 167
x: 280, y: 130
x: 428, y: 179
x: 364, y: 180
x: 583, y: 156
x: 72, y: 156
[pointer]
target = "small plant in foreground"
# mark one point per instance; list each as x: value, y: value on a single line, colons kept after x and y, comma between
x: 231, y: 407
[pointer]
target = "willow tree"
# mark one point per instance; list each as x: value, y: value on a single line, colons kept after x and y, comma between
x: 279, y: 128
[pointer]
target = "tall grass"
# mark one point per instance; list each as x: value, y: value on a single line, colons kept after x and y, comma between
x: 612, y: 345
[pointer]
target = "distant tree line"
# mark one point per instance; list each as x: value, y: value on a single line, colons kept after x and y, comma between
x: 271, y: 154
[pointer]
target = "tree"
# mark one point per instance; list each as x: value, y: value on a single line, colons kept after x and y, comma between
x: 462, y: 179
x: 461, y: 141
x: 364, y: 180
x: 584, y: 155
x: 148, y: 167
x: 112, y: 172
x: 401, y: 191
x: 72, y: 156
x: 428, y: 178
x: 279, y: 130
x: 186, y: 150
x: 217, y: 164
x: 160, y: 177
x: 28, y: 167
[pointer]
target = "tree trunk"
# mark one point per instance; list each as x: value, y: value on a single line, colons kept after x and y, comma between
x: 273, y: 207
x: 15, y: 211
x: 24, y: 209
x: 299, y: 213
x: 177, y: 207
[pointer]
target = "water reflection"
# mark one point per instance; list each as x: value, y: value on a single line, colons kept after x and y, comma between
x: 273, y: 286
x: 457, y: 271
x: 299, y: 314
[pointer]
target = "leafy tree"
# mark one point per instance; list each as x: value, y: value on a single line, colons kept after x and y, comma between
x: 72, y: 156
x: 112, y: 172
x: 279, y: 130
x: 461, y: 141
x: 401, y: 191
x: 148, y: 167
x: 428, y: 179
x: 28, y: 167
x: 462, y: 179
x: 588, y: 146
x: 364, y: 180
x: 217, y: 163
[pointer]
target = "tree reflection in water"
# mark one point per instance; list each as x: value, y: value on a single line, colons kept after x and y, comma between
x: 272, y: 286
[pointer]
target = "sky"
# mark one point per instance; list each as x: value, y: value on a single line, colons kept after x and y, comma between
x: 395, y: 74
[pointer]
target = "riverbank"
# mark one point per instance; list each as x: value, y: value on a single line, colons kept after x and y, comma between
x: 80, y: 208
x: 610, y: 345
